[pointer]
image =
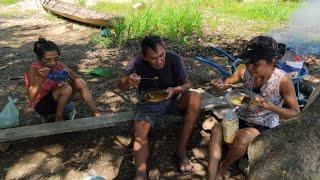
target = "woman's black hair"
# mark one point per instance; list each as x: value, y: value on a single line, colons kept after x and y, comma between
x: 150, y: 41
x: 262, y: 47
x: 42, y: 45
x: 282, y: 48
x: 265, y: 42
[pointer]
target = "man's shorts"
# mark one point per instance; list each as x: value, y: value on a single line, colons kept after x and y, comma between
x: 150, y: 112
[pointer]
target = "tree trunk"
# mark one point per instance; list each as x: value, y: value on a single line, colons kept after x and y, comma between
x: 292, y: 150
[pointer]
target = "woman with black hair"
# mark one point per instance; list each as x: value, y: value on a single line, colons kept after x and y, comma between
x: 273, y: 88
x: 47, y: 95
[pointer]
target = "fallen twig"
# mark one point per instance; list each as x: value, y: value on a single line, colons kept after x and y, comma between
x: 16, y: 78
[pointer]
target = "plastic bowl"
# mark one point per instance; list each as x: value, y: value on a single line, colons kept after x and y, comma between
x: 242, y: 98
x: 156, y: 96
x: 60, y: 75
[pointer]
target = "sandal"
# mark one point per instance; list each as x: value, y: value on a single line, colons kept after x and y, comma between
x: 185, y: 165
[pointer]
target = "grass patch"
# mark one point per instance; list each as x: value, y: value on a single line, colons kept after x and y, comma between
x: 257, y: 16
x: 182, y: 20
x: 170, y: 20
x: 8, y: 2
x: 81, y: 2
x: 256, y: 10
x: 102, y: 41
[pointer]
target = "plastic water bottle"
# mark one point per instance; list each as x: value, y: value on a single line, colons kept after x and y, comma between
x: 230, y: 126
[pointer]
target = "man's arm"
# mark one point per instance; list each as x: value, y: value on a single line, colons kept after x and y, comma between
x: 182, y: 88
x: 130, y: 78
x: 125, y: 82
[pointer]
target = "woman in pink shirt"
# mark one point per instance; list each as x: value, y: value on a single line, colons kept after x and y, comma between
x: 49, y: 96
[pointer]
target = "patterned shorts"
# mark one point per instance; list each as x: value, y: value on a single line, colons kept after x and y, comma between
x: 150, y: 112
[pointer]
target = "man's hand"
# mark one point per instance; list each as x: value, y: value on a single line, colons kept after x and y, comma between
x: 43, y: 72
x: 170, y: 92
x: 134, y: 80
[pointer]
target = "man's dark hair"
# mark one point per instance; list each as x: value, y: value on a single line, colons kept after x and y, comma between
x: 42, y: 45
x: 150, y: 41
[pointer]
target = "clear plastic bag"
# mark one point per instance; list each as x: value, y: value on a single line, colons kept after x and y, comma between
x: 9, y: 116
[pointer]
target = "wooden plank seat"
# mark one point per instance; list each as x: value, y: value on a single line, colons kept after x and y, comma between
x: 46, y: 129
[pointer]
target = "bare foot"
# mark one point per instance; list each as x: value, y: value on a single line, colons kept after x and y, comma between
x: 220, y: 175
x: 140, y: 176
x: 97, y: 114
x: 223, y: 175
x: 186, y: 166
x: 58, y: 119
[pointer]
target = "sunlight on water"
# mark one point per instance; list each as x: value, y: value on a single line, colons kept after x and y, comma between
x: 303, y: 30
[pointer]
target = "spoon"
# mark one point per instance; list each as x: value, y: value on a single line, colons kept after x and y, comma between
x: 154, y: 78
x: 235, y: 85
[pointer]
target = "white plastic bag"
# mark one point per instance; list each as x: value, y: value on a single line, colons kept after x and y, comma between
x: 9, y: 116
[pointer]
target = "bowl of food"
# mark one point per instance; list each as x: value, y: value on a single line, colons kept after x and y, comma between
x: 242, y: 98
x: 155, y: 96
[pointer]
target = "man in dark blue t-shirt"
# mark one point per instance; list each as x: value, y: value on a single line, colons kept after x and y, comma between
x: 157, y: 69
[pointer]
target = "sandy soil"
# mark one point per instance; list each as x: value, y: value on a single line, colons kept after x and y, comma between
x: 105, y: 151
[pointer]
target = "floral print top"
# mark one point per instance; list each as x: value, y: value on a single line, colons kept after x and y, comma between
x: 270, y: 92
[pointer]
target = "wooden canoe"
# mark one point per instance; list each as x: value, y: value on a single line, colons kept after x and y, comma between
x: 80, y: 14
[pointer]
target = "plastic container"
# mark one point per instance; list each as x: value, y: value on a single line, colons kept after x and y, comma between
x: 242, y: 98
x: 60, y: 75
x: 230, y: 125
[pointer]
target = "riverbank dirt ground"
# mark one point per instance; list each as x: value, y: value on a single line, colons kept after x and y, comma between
x: 107, y: 151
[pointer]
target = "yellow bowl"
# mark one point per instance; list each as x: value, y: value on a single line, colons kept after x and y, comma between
x: 156, y: 96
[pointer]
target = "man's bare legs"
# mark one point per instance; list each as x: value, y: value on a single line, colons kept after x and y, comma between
x: 141, y: 148
x: 215, y: 151
x: 190, y: 103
